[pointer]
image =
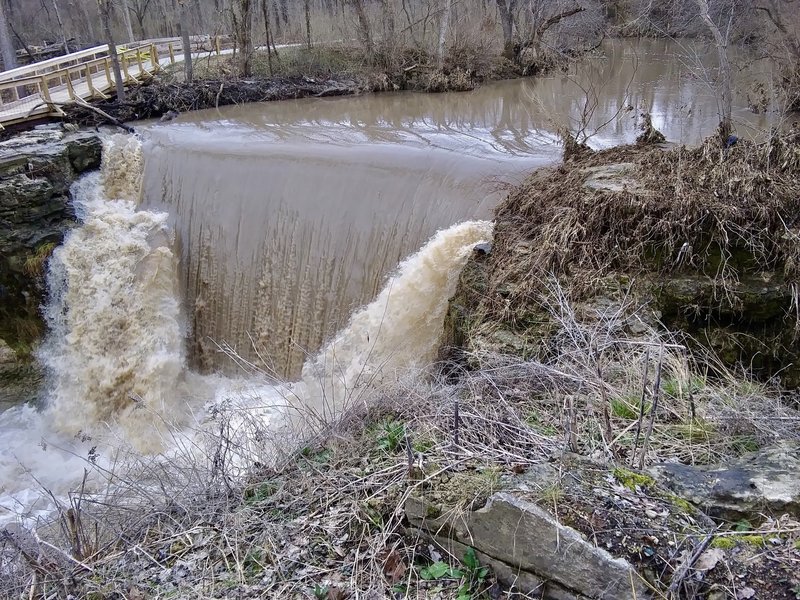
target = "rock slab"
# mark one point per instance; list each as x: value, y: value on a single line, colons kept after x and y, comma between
x: 763, y: 482
x: 36, y: 171
x: 530, y: 550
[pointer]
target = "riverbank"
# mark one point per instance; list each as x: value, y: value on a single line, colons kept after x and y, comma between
x: 316, y: 73
x: 567, y: 410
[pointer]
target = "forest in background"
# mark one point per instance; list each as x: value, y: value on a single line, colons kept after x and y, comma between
x: 508, y: 26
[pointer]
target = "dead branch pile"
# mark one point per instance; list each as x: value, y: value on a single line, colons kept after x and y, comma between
x: 156, y: 98
x: 679, y: 207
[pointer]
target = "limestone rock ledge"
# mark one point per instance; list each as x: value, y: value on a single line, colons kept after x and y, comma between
x: 529, y: 550
x: 766, y: 482
x: 36, y: 171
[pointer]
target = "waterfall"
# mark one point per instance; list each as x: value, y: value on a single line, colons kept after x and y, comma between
x: 116, y: 353
x: 115, y: 348
x: 397, y: 332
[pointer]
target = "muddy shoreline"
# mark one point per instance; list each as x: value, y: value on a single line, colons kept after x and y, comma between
x: 156, y: 98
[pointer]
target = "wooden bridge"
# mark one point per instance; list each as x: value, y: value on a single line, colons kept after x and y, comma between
x: 40, y: 89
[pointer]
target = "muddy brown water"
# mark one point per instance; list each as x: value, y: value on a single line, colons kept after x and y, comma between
x: 290, y: 214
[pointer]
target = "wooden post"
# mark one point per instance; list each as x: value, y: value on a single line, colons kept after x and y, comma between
x: 217, y: 44
x: 44, y: 91
x: 124, y: 62
x: 70, y: 89
x: 154, y: 58
x: 171, y: 54
x: 107, y: 65
x: 139, y: 61
x: 89, y: 81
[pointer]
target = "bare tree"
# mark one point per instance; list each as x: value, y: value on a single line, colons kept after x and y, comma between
x: 126, y: 19
x: 782, y: 44
x: 139, y: 10
x: 506, y: 9
x: 242, y: 20
x: 307, y: 10
x: 105, y: 16
x: 540, y: 16
x: 6, y: 46
x: 444, y: 24
x: 266, y: 8
x: 61, y: 27
x: 725, y: 88
x: 185, y: 41
x: 364, y: 29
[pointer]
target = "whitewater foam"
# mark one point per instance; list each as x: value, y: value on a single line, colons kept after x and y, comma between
x: 399, y: 331
x: 119, y: 384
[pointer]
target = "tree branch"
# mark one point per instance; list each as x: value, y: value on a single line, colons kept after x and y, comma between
x: 777, y: 22
x: 556, y: 18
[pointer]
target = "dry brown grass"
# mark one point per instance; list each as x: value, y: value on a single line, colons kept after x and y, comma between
x: 241, y: 509
x: 699, y: 207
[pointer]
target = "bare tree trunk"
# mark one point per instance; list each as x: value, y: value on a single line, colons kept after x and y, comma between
x: 61, y: 27
x: 444, y: 24
x: 105, y: 17
x: 307, y: 8
x: 725, y: 86
x: 186, y: 42
x: 388, y: 21
x: 6, y: 46
x: 22, y: 42
x: 278, y: 25
x: 242, y: 16
x: 389, y: 41
x: 126, y: 19
x: 506, y: 9
x: 78, y: 12
x: 364, y: 30
x: 265, y: 6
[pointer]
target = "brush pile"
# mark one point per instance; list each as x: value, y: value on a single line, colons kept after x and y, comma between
x: 708, y: 238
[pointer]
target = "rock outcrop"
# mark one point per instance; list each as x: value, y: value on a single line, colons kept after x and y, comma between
x: 761, y: 483
x: 36, y: 171
x: 531, y: 550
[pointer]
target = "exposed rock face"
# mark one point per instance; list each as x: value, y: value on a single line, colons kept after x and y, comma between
x: 734, y: 294
x: 530, y: 550
x: 36, y: 170
x: 762, y: 483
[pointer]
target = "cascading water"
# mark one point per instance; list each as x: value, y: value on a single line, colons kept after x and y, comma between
x: 116, y: 348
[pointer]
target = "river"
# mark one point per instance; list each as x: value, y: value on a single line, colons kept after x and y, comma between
x: 224, y: 256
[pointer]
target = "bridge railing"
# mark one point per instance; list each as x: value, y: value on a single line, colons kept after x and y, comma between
x: 43, y: 87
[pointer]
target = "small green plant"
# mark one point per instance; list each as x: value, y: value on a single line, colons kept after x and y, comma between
x: 320, y: 591
x: 697, y: 431
x: 319, y: 456
x: 260, y: 493
x: 440, y: 570
x: 36, y: 262
x: 628, y: 408
x: 254, y: 562
x: 391, y: 436
x: 551, y: 494
x: 632, y: 480
x: 724, y: 543
x: 535, y: 421
x: 744, y: 443
x: 472, y: 576
x: 423, y: 444
x: 676, y: 387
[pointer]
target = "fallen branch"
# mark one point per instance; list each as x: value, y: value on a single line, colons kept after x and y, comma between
x: 83, y: 104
